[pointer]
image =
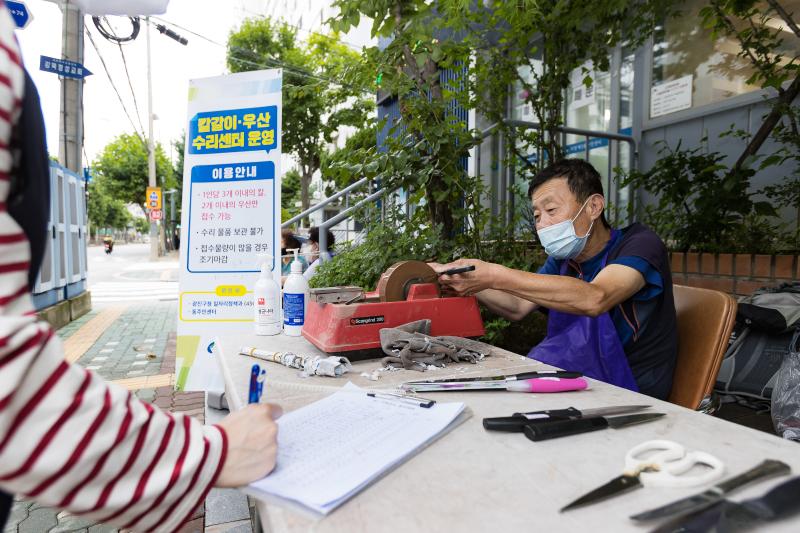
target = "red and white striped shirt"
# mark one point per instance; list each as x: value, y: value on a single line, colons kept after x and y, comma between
x: 68, y: 439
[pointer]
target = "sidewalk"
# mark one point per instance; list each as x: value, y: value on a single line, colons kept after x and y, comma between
x: 134, y: 346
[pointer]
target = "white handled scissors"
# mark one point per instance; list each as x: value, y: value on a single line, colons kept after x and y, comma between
x: 657, y: 463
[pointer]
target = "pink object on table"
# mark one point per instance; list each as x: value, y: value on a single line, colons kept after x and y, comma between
x: 547, y: 385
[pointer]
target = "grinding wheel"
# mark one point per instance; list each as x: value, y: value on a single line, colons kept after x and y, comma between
x: 394, y: 284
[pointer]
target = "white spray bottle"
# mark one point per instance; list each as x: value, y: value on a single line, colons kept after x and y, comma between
x: 267, y: 301
x: 295, y: 298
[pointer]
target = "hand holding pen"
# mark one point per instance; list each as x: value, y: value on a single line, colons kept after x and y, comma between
x: 251, y: 436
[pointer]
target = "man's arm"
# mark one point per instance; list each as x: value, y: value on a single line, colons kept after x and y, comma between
x: 612, y: 286
x: 505, y: 304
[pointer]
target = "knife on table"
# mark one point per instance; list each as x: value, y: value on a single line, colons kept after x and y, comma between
x: 517, y: 421
x: 781, y: 501
x: 512, y: 377
x: 703, y: 500
x: 565, y: 428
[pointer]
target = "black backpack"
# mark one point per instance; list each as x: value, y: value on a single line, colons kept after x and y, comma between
x: 761, y: 339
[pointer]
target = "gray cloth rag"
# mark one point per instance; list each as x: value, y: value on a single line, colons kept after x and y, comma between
x: 411, y: 347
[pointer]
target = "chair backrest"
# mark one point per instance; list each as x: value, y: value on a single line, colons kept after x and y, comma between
x: 705, y: 321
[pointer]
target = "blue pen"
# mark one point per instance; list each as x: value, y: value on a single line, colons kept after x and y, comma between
x: 261, y: 379
x: 253, y: 395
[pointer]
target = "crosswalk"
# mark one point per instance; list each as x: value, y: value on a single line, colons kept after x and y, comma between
x: 133, y: 291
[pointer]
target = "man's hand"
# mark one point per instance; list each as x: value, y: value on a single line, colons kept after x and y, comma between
x: 467, y: 283
x: 252, y: 444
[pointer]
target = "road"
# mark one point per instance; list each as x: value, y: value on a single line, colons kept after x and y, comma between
x: 127, y: 275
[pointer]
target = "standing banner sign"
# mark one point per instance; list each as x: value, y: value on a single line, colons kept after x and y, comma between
x: 230, y: 216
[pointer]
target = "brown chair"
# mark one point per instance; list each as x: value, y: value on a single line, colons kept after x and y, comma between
x: 705, y: 322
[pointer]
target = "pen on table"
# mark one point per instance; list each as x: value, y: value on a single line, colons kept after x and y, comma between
x: 253, y: 394
x: 421, y: 402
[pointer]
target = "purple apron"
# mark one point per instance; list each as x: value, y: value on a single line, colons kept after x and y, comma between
x: 585, y: 344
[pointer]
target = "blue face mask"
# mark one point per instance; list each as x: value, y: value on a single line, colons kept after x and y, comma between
x: 560, y: 240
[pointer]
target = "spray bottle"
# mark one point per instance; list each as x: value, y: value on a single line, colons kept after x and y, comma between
x: 295, y: 298
x: 267, y: 301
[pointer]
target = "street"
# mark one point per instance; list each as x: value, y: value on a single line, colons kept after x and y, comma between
x: 127, y: 275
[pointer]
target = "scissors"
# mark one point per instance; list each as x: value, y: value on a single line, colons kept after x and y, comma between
x: 656, y: 463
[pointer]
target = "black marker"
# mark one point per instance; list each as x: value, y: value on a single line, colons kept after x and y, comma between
x: 457, y: 270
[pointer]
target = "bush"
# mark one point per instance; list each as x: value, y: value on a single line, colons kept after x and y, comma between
x: 703, y: 205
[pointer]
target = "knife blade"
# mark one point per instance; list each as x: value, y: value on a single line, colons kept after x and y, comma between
x: 763, y: 470
x: 780, y: 501
x: 517, y: 421
x: 565, y: 428
x: 523, y: 375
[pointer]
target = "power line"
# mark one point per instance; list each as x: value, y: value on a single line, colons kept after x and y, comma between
x: 111, y: 81
x: 272, y: 62
x: 116, y: 39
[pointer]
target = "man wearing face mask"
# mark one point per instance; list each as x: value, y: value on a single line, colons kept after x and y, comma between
x: 607, y: 292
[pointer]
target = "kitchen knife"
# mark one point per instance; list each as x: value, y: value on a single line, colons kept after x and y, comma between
x: 565, y: 428
x: 779, y: 502
x: 765, y: 469
x: 517, y: 421
x: 523, y: 375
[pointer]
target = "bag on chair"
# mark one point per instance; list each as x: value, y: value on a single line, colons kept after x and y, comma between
x: 761, y: 340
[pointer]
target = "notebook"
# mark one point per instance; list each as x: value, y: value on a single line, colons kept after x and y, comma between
x: 332, y: 449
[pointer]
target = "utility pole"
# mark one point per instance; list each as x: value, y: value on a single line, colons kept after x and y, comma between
x: 71, y: 121
x: 151, y: 153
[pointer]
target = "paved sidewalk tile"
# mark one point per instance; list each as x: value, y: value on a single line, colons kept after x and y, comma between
x: 82, y: 340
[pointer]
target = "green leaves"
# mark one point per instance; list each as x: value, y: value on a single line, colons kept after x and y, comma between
x: 326, y: 85
x: 123, y: 167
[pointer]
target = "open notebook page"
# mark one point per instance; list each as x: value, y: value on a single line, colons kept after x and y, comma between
x: 330, y: 449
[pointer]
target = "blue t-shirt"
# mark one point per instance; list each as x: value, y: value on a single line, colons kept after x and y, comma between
x: 646, y: 322
x: 626, y: 326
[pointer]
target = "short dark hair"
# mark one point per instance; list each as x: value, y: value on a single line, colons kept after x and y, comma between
x: 313, y: 236
x: 582, y: 179
x: 291, y: 242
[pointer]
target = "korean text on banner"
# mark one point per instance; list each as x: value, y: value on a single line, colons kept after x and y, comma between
x: 231, y: 213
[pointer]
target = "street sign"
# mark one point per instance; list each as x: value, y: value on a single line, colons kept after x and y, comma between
x: 156, y: 214
x: 154, y: 198
x: 62, y: 67
x: 19, y: 12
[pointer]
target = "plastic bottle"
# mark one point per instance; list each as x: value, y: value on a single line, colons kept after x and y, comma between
x: 295, y: 298
x: 267, y: 301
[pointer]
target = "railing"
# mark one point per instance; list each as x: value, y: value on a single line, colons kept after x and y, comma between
x: 506, y: 185
x: 347, y: 213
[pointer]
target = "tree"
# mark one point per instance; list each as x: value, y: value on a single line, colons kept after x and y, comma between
x: 290, y: 192
x: 103, y: 209
x: 775, y: 66
x: 179, y: 145
x: 321, y: 88
x: 123, y: 165
x: 548, y: 40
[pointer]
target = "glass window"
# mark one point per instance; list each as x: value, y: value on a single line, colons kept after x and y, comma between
x: 520, y: 109
x: 690, y: 69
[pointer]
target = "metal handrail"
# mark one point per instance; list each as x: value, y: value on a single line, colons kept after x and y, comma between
x: 325, y: 202
x: 563, y: 130
x: 323, y: 228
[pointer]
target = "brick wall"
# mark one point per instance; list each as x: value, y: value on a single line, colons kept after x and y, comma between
x: 738, y: 274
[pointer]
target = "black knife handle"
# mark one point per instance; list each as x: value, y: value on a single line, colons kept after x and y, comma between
x: 563, y: 428
x: 505, y: 423
x: 565, y: 374
x: 766, y: 468
x: 781, y: 500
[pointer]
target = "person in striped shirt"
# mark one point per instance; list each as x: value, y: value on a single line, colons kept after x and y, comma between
x: 68, y: 439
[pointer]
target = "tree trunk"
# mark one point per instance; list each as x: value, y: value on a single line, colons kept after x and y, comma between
x: 775, y: 115
x: 305, y: 183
